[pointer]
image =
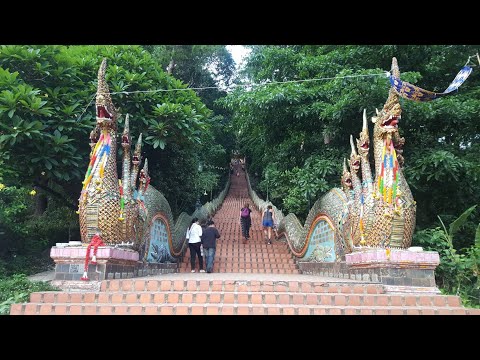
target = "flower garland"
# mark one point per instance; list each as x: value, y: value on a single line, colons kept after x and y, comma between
x: 96, y: 242
x: 361, y: 225
x: 387, y: 184
x: 98, y: 159
x: 122, y: 201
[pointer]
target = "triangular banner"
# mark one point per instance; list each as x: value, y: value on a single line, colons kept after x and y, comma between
x: 415, y: 93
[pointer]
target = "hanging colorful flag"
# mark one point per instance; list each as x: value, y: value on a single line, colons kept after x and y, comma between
x: 412, y: 92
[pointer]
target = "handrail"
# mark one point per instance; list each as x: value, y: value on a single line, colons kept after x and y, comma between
x: 298, y: 235
x: 208, y: 209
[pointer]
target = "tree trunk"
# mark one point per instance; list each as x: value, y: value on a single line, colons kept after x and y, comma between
x: 41, y: 203
x: 170, y: 67
x: 41, y: 200
x: 326, y: 138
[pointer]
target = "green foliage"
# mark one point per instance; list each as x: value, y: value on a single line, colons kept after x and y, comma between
x: 459, y: 222
x: 25, y: 239
x: 283, y: 127
x: 46, y: 115
x: 47, y: 112
x: 437, y: 177
x: 198, y: 66
x: 206, y: 180
x: 458, y: 272
x: 17, y: 289
x: 288, y: 123
x: 477, y: 237
x: 29, y: 118
x: 30, y: 264
x: 299, y: 187
x: 14, y: 203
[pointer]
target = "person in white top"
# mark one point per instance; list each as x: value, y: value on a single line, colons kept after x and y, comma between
x: 193, y: 235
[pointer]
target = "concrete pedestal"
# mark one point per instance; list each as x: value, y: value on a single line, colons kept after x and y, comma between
x: 395, y: 267
x: 401, y: 271
x: 111, y: 263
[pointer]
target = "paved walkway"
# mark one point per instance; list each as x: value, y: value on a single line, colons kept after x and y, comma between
x: 43, y: 276
x: 249, y: 277
x: 232, y: 255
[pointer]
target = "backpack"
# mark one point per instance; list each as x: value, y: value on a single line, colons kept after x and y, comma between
x: 245, y: 212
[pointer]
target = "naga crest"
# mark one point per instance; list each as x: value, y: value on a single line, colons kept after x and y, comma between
x: 354, y: 158
x: 363, y: 144
x: 386, y: 121
x: 137, y: 157
x: 105, y: 110
x: 126, y: 133
x: 144, y: 178
x: 346, y: 177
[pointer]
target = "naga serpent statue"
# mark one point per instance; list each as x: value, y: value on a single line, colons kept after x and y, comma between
x: 367, y: 211
x: 136, y: 217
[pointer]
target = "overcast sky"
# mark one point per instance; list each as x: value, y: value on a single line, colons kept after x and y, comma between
x: 238, y: 53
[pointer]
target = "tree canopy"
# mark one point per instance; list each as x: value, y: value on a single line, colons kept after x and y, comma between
x: 296, y: 134
x: 46, y: 113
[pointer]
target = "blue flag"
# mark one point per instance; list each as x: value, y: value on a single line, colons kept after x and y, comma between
x: 412, y: 92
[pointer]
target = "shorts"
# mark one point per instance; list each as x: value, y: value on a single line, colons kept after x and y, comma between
x: 267, y: 223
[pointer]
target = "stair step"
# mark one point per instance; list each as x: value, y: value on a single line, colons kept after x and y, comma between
x: 232, y: 256
x: 237, y: 294
x: 248, y: 297
x: 230, y: 309
x: 241, y: 285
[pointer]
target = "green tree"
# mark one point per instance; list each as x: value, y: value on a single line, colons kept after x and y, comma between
x: 459, y: 270
x: 198, y: 66
x: 46, y: 112
x: 282, y: 126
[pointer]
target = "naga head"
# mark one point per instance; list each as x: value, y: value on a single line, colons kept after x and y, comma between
x: 386, y: 121
x: 126, y: 133
x: 106, y: 112
x: 144, y: 178
x: 363, y: 144
x: 346, y: 177
x: 137, y: 154
x: 354, y: 158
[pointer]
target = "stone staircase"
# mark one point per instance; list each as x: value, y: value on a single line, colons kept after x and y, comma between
x: 248, y: 279
x: 234, y: 256
x: 238, y: 294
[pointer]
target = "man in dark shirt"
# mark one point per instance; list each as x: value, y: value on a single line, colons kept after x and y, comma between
x: 209, y: 240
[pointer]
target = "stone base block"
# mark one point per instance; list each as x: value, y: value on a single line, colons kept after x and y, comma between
x: 373, y: 258
x: 400, y: 270
x: 70, y: 262
x: 391, y: 289
x: 397, y: 267
x: 74, y: 285
x: 103, y: 252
